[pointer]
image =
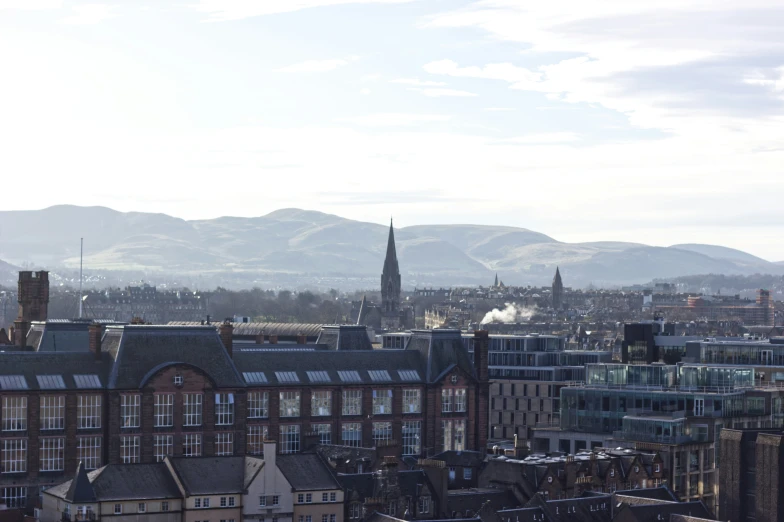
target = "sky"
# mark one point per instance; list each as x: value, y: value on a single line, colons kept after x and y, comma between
x: 627, y: 120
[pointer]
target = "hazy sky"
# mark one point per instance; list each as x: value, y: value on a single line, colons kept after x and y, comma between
x: 653, y: 121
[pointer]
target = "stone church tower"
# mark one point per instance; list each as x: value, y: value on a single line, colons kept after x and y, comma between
x: 557, y: 290
x: 390, y: 283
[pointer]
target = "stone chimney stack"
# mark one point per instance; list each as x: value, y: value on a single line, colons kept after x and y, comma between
x: 273, y: 339
x: 302, y: 339
x: 226, y: 330
x: 21, y: 327
x: 33, y: 295
x: 260, y: 338
x: 482, y: 419
x: 95, y: 334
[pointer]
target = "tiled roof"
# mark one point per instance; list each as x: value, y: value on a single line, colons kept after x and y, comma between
x: 307, y: 472
x: 121, y: 482
x: 210, y: 475
x: 32, y: 365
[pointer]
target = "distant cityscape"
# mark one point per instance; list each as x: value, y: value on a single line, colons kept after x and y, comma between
x: 494, y: 403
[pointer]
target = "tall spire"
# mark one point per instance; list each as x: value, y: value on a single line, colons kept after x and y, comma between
x: 557, y: 278
x: 390, y: 277
x: 390, y: 262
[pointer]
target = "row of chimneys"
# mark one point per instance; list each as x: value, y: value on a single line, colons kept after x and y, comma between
x: 226, y: 333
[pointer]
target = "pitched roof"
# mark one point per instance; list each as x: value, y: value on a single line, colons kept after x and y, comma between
x: 441, y: 349
x: 143, y: 350
x: 272, y: 363
x: 307, y: 472
x: 119, y: 482
x: 60, y: 336
x: 345, y: 337
x: 210, y: 475
x: 657, y: 512
x: 31, y: 365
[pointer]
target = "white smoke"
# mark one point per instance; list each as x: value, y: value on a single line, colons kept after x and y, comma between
x: 511, y: 314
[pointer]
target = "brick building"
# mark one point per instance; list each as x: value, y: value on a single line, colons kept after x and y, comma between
x: 139, y: 393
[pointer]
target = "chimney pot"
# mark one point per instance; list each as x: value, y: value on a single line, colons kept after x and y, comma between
x: 273, y: 339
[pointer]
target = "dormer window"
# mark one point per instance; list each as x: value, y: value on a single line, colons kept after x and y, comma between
x: 550, y: 480
x: 178, y: 380
x: 636, y: 469
x: 454, y: 379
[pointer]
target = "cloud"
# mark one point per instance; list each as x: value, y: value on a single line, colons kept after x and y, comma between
x: 545, y: 138
x: 364, y: 92
x: 224, y: 10
x: 500, y: 109
x: 88, y: 14
x: 438, y: 93
x: 318, y: 65
x: 417, y: 82
x: 394, y: 119
x: 495, y: 71
x: 30, y: 5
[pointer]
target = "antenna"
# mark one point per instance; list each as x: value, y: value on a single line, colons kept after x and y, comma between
x: 81, y: 259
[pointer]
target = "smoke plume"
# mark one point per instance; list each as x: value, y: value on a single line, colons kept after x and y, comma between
x: 511, y: 314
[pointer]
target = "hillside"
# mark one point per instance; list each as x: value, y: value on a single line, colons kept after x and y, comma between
x: 292, y: 243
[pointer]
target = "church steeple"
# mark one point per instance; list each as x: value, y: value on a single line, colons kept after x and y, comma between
x: 390, y: 277
x: 557, y: 290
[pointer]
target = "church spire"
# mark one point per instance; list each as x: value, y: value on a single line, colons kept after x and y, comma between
x: 390, y: 277
x: 390, y: 262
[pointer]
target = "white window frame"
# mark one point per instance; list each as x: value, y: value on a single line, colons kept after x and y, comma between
x: 354, y: 510
x: 424, y: 505
x: 14, y: 457
x: 289, y: 438
x: 321, y: 403
x: 412, y: 400
x: 224, y: 443
x: 130, y: 410
x: 290, y: 405
x: 130, y: 452
x: 52, y: 412
x: 52, y: 454
x: 447, y: 396
x: 192, y: 441
x: 468, y: 473
x: 192, y: 409
x: 118, y: 509
x: 14, y: 496
x: 412, y: 437
x: 163, y: 446
x: 256, y: 435
x: 164, y: 410
x: 224, y: 409
x: 89, y: 451
x: 352, y: 402
x: 461, y: 400
x: 258, y: 405
x: 351, y: 434
x: 324, y: 431
x: 14, y: 413
x: 88, y: 412
x: 382, y: 431
x: 142, y: 507
x: 382, y: 402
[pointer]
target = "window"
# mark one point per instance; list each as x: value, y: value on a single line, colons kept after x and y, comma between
x: 412, y: 401
x: 446, y: 433
x: 52, y: 453
x: 309, y: 498
x: 657, y: 468
x: 224, y: 444
x: 14, y: 458
x: 424, y: 505
x: 321, y: 403
x: 129, y: 411
x: 459, y: 435
x: 354, y: 510
x: 325, y: 497
x: 324, y: 431
x: 164, y: 410
x: 129, y: 449
x: 258, y: 405
x: 164, y: 506
x: 699, y: 407
x: 163, y: 447
x: 197, y: 502
x: 447, y: 395
x: 289, y: 438
x: 191, y: 409
x: 275, y: 500
x: 89, y: 452
x: 14, y: 497
x: 411, y: 437
x: 352, y: 402
x: 14, y: 413
x: 53, y: 412
x: 118, y: 509
x: 308, y: 518
x: 223, y: 502
x: 333, y: 497
x: 224, y: 409
x: 301, y: 498
x: 333, y: 518
x: 352, y: 434
x: 178, y: 380
x: 231, y: 501
x: 88, y: 412
x: 262, y: 501
x: 382, y: 431
x: 391, y: 508
x: 460, y: 400
x: 324, y: 518
x: 205, y: 502
x: 382, y: 402
x: 468, y: 473
x: 289, y: 404
x: 142, y: 507
x: 256, y: 436
x: 191, y: 445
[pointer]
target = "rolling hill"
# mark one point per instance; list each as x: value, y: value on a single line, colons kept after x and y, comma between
x: 294, y: 242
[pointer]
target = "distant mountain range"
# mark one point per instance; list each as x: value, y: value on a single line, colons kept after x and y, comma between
x: 300, y: 243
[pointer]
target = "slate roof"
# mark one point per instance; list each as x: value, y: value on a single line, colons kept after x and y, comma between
x: 122, y: 481
x: 307, y: 472
x: 532, y: 514
x: 253, y: 329
x: 584, y: 509
x: 59, y: 336
x: 441, y: 349
x: 466, y: 459
x: 143, y: 350
x: 470, y: 501
x: 32, y: 364
x: 660, y: 493
x: 652, y: 512
x: 210, y: 475
x: 345, y: 337
x: 332, y: 362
